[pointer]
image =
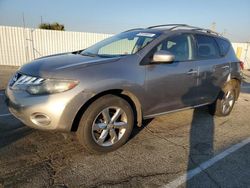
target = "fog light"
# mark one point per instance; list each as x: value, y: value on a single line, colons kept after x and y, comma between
x: 40, y: 119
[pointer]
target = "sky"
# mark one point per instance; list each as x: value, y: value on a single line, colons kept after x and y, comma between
x: 113, y: 16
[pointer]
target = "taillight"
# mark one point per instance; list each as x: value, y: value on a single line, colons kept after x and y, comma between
x: 241, y: 65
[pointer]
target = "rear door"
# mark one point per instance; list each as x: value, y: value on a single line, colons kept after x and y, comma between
x: 213, y: 69
x: 171, y: 86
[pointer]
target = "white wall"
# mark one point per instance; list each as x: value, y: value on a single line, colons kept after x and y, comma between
x: 243, y: 53
x: 18, y: 45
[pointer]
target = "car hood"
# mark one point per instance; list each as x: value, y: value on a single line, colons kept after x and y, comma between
x: 50, y: 65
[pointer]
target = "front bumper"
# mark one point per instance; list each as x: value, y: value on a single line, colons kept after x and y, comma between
x: 60, y: 108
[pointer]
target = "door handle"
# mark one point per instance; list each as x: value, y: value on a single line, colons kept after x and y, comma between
x: 225, y: 67
x: 192, y: 72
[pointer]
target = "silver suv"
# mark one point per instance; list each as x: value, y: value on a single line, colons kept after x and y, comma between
x: 102, y: 92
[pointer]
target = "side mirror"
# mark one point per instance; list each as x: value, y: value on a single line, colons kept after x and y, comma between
x: 163, y: 56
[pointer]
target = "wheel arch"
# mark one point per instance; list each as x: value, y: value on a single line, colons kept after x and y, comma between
x: 128, y: 96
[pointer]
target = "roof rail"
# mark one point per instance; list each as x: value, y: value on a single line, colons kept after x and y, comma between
x: 174, y: 26
x: 133, y: 29
x: 167, y: 25
x: 206, y: 30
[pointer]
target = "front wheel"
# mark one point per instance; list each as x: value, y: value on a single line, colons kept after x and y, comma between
x: 225, y: 101
x: 106, y: 124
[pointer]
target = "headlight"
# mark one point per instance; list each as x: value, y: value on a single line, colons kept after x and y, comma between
x: 39, y: 86
x: 51, y: 86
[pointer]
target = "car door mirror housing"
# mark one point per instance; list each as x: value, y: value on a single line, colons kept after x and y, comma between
x: 163, y: 56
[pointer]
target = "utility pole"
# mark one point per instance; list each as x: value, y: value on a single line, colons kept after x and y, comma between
x: 213, y: 26
x: 25, y: 39
x: 224, y: 32
x: 23, y: 21
x: 41, y: 19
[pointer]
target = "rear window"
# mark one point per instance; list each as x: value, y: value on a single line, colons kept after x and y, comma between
x: 207, y: 47
x: 223, y: 45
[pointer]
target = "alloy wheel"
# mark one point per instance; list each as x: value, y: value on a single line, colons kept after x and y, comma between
x: 109, y: 126
x: 227, y: 102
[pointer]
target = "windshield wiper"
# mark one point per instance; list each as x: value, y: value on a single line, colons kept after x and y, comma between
x: 102, y: 55
x: 89, y: 54
x: 111, y: 56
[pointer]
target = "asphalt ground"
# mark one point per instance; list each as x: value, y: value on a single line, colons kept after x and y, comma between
x: 185, y: 149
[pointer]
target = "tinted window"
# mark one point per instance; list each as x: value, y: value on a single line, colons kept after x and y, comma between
x: 223, y: 45
x: 180, y: 46
x: 206, y: 47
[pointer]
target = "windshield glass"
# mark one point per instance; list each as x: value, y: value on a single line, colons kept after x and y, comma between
x: 126, y: 43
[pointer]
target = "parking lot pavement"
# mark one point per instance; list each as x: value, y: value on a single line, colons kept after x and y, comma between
x: 232, y: 171
x: 157, y: 154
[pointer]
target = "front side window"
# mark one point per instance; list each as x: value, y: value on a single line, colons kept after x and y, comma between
x: 180, y: 46
x: 126, y: 43
x: 206, y: 47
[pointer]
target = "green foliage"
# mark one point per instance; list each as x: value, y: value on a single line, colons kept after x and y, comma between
x: 53, y: 26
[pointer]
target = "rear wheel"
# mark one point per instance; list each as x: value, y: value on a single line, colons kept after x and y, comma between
x: 225, y: 101
x: 106, y: 124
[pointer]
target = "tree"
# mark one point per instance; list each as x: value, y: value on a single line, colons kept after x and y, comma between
x: 53, y: 26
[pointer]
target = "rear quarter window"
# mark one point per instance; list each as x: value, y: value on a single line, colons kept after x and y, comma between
x: 223, y: 45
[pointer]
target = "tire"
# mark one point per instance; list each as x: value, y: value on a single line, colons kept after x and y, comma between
x: 106, y: 124
x: 225, y: 100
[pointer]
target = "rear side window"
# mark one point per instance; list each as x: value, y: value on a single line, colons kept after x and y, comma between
x: 207, y: 47
x: 223, y: 45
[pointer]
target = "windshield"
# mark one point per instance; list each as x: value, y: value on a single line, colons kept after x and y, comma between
x: 126, y: 43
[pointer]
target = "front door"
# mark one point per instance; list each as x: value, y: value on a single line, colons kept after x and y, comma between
x: 171, y: 86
